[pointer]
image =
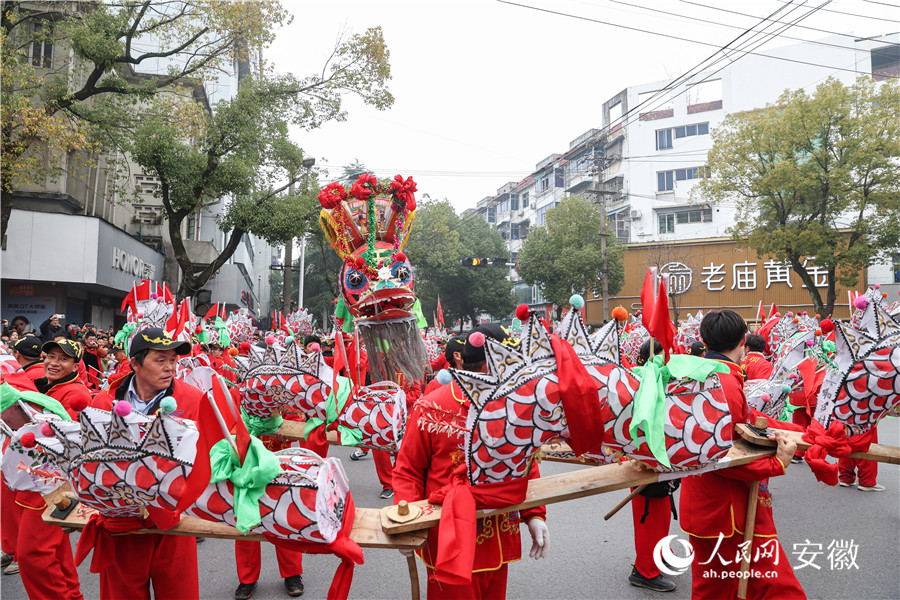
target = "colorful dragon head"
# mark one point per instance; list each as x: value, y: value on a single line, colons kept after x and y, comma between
x: 368, y: 228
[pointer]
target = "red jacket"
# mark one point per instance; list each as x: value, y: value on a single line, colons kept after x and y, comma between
x: 187, y: 396
x: 122, y: 369
x: 65, y: 390
x: 35, y: 370
x: 424, y: 464
x: 756, y: 366
x: 716, y: 501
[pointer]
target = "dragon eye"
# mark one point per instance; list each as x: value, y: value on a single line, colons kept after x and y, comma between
x: 402, y: 272
x: 355, y: 280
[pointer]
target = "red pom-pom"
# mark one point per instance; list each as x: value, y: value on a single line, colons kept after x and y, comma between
x: 861, y: 302
x: 818, y: 332
x: 827, y: 325
x: 140, y: 315
x: 46, y: 430
x: 232, y: 351
x: 765, y: 397
x: 270, y: 340
x: 360, y: 262
x: 477, y: 339
x: 245, y: 347
x: 778, y: 314
x: 877, y: 286
x: 401, y: 257
x: 314, y: 347
x: 818, y: 316
x: 27, y: 440
x: 523, y: 312
x: 619, y: 313
x: 884, y: 294
x: 790, y: 315
x: 198, y: 329
x: 79, y: 404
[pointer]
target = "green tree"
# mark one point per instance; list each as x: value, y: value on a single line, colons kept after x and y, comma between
x: 87, y: 104
x: 323, y: 267
x: 563, y: 257
x: 244, y: 149
x: 437, y: 243
x: 815, y: 177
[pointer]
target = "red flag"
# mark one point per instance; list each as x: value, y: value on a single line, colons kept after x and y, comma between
x: 164, y: 293
x: 137, y: 293
x: 340, y: 360
x: 760, y: 312
x: 217, y: 404
x: 440, y: 313
x: 772, y: 311
x: 648, y: 301
x: 212, y: 312
x: 661, y: 326
x: 549, y: 314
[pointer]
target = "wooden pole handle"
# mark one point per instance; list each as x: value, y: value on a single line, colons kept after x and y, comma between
x: 749, y: 526
x: 625, y: 501
x: 413, y: 576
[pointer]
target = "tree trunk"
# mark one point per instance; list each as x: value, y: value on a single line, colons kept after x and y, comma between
x: 6, y: 207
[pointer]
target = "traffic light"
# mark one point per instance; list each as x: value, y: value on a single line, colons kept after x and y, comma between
x: 472, y: 261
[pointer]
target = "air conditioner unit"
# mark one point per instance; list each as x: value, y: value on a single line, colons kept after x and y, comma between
x: 635, y: 215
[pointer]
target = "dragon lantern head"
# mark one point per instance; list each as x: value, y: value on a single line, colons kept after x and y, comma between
x: 368, y: 227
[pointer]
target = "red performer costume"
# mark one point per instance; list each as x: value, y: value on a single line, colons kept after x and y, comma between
x: 713, y: 512
x: 756, y: 366
x: 34, y: 371
x: 127, y: 564
x: 848, y: 468
x: 425, y: 463
x: 66, y: 390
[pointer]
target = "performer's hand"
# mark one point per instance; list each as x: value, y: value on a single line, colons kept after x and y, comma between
x: 540, y: 538
x: 407, y: 553
x: 786, y: 447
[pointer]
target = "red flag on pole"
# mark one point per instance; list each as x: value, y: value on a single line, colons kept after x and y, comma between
x: 137, y: 294
x: 661, y: 326
x: 772, y: 311
x: 760, y: 312
x: 440, y: 313
x: 648, y: 300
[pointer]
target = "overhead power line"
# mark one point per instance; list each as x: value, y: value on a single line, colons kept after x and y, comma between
x: 850, y: 14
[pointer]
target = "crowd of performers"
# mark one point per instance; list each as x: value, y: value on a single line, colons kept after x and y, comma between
x: 712, y: 505
x: 469, y: 418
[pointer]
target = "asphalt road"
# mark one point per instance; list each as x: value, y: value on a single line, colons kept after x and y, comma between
x: 590, y: 558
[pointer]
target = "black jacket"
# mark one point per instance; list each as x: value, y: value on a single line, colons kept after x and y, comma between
x: 48, y: 331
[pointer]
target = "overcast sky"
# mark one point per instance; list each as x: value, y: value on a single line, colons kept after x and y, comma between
x: 484, y: 90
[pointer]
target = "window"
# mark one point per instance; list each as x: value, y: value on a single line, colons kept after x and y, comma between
x: 665, y: 180
x: 663, y: 139
x: 896, y: 266
x: 524, y: 199
x: 191, y: 227
x: 523, y: 230
x: 559, y: 178
x: 515, y: 257
x: 514, y: 202
x: 514, y: 231
x: 544, y: 184
x: 504, y: 207
x: 667, y: 223
x: 42, y: 49
x: 885, y: 62
x: 491, y: 215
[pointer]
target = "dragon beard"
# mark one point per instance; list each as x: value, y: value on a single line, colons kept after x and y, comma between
x: 395, y: 348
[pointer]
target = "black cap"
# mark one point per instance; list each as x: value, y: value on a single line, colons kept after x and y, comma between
x: 312, y: 338
x: 475, y: 354
x: 68, y: 346
x: 29, y: 346
x: 455, y: 344
x: 154, y: 338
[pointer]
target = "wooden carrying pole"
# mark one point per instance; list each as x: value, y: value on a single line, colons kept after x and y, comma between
x: 749, y: 526
x: 625, y: 501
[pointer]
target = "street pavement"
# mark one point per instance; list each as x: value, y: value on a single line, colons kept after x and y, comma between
x: 589, y: 558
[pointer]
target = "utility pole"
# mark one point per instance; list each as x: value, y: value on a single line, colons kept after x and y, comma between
x: 599, y: 167
x: 308, y: 165
x: 288, y: 259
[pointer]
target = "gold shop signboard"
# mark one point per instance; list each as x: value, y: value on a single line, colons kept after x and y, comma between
x: 717, y: 273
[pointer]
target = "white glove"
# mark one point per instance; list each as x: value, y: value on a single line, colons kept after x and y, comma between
x: 407, y: 553
x: 540, y: 538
